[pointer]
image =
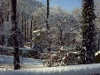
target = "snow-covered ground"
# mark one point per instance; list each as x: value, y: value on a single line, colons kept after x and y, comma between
x: 93, y: 69
x: 6, y: 61
x: 35, y: 67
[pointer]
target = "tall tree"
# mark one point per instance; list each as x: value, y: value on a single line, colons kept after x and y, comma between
x: 88, y: 29
x: 15, y: 35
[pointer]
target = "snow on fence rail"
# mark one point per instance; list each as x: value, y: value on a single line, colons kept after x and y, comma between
x: 92, y: 69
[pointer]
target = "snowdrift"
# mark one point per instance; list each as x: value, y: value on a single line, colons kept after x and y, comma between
x: 91, y: 69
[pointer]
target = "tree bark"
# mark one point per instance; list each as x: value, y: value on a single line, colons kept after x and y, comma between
x: 47, y: 14
x: 89, y: 32
x: 31, y: 28
x: 16, y: 45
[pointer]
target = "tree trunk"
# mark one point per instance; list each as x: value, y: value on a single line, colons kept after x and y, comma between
x: 25, y: 31
x: 16, y: 46
x: 22, y: 22
x: 89, y: 31
x: 47, y: 14
x: 31, y: 28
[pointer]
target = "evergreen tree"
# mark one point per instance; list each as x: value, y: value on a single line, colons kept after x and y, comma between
x: 88, y: 30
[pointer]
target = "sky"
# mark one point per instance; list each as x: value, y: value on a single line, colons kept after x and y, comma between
x: 68, y: 5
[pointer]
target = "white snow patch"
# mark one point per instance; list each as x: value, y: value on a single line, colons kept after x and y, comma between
x: 92, y: 69
x: 36, y: 69
x: 25, y: 62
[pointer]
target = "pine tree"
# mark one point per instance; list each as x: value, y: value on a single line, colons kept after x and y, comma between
x: 88, y: 30
x: 15, y: 35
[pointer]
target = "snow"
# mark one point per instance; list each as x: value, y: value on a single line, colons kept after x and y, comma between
x: 97, y: 53
x: 6, y: 59
x: 25, y: 62
x: 11, y: 48
x: 35, y: 67
x: 93, y: 69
